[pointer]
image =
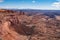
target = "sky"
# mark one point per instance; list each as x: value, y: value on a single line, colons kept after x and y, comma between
x: 30, y: 4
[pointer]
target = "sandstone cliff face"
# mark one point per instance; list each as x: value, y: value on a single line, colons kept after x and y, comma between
x: 24, y: 27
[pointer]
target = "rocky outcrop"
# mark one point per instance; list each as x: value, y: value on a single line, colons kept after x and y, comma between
x: 24, y: 27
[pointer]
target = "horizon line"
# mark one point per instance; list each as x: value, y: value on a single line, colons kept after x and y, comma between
x: 29, y: 9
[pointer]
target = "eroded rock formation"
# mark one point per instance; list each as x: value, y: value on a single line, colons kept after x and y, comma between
x: 24, y: 27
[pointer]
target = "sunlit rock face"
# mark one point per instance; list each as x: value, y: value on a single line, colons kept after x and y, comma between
x: 57, y: 17
x: 15, y: 26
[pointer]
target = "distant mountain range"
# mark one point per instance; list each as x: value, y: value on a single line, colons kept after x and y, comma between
x: 50, y: 13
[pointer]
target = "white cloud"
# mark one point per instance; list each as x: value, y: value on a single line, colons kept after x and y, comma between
x: 56, y: 4
x: 1, y: 0
x: 33, y: 1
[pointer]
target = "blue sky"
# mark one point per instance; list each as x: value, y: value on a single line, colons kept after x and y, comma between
x: 30, y: 4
